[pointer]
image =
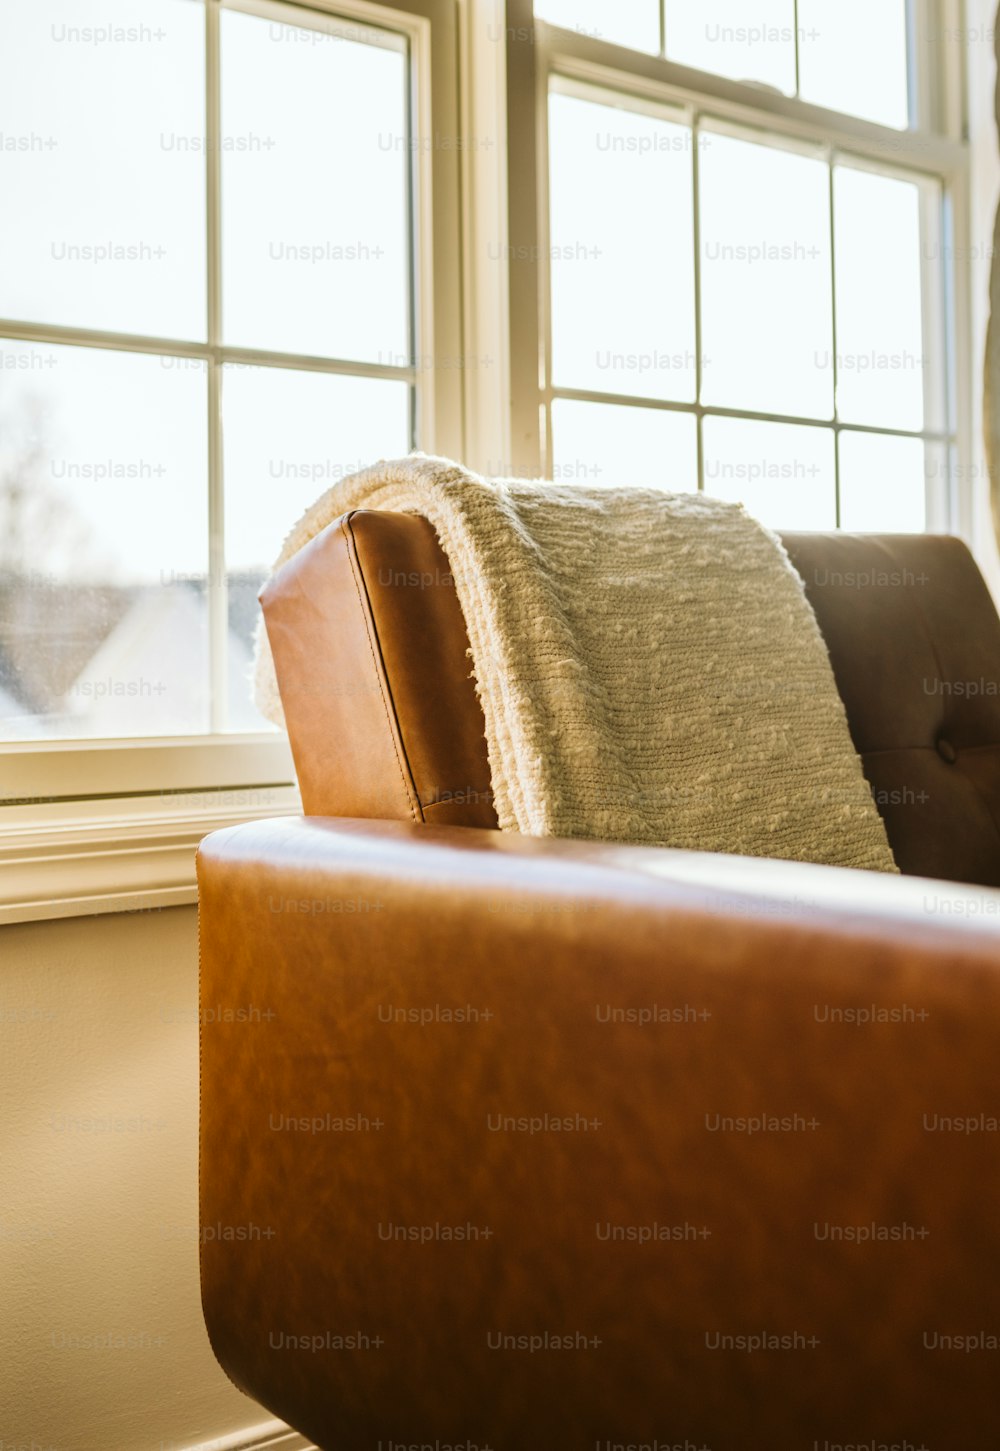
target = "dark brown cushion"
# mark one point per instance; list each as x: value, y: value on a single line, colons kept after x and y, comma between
x: 914, y: 639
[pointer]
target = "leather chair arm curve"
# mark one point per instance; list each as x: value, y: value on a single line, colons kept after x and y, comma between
x: 522, y: 1143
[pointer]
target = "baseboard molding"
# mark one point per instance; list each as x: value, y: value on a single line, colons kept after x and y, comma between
x: 268, y: 1436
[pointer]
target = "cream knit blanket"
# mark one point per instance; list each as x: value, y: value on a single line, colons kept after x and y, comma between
x: 648, y: 665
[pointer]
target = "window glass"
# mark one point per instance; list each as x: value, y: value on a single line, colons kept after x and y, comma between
x: 315, y: 171
x: 102, y: 165
x: 601, y: 443
x: 881, y: 366
x: 109, y: 620
x: 853, y: 58
x: 103, y: 543
x: 767, y: 327
x: 622, y: 255
x: 784, y: 474
x: 882, y: 484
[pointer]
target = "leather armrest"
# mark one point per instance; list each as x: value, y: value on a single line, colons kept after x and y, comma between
x: 715, y: 1141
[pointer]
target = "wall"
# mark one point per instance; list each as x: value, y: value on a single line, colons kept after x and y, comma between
x: 99, y: 1220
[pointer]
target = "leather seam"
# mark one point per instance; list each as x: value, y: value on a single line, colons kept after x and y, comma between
x: 449, y: 796
x: 347, y: 536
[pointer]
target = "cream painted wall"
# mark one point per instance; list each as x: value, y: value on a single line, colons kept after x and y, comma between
x: 98, y: 1226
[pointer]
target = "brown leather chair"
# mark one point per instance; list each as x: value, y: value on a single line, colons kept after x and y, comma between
x: 528, y: 1143
x: 384, y: 721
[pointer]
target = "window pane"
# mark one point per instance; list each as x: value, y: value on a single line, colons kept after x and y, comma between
x: 880, y: 354
x: 785, y: 475
x: 314, y: 203
x: 103, y: 543
x: 750, y: 40
x: 606, y: 443
x: 853, y: 58
x: 622, y: 254
x: 102, y: 169
x: 882, y: 484
x: 766, y: 293
x: 635, y: 23
x: 290, y: 436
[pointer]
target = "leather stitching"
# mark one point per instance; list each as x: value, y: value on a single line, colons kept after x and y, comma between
x: 346, y: 535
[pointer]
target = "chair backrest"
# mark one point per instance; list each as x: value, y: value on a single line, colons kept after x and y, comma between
x: 370, y: 649
x: 914, y: 640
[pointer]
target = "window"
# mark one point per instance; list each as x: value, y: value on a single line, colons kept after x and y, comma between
x: 847, y: 55
x: 719, y: 246
x: 741, y: 292
x: 214, y: 286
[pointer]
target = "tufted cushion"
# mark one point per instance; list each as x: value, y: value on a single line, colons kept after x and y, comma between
x: 914, y: 638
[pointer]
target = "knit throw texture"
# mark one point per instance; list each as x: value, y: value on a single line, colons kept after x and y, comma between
x: 649, y: 667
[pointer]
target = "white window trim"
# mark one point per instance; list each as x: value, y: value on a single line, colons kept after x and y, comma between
x: 485, y: 224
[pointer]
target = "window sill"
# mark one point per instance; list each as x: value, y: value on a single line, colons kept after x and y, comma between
x: 121, y: 856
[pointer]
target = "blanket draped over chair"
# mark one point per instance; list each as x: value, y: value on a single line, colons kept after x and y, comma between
x: 649, y: 668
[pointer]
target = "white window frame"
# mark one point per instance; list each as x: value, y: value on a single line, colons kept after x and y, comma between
x: 37, y: 773
x: 935, y: 146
